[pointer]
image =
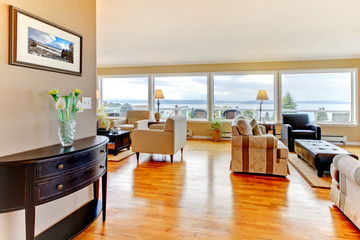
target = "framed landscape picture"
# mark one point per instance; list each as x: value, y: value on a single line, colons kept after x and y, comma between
x: 37, y: 43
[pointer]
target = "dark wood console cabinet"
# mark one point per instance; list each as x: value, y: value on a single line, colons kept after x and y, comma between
x: 35, y: 177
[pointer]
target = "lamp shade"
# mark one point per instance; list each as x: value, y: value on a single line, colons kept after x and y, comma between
x: 262, y: 95
x: 158, y: 94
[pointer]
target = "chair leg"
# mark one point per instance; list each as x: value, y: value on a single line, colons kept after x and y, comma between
x: 182, y: 150
x: 137, y: 156
x: 172, y: 158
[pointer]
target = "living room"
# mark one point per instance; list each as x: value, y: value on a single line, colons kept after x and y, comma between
x: 196, y: 196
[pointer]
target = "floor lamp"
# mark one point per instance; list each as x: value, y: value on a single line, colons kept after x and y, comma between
x: 262, y: 95
x: 158, y: 95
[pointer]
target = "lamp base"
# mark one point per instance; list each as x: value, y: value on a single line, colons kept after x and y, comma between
x: 157, y: 116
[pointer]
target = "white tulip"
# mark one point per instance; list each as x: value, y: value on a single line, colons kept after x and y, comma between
x: 60, y: 104
x: 80, y: 106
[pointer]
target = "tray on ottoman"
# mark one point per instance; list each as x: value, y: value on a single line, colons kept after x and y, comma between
x: 318, y: 153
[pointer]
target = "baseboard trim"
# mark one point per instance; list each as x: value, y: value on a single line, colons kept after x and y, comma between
x: 352, y: 143
x: 199, y: 137
x: 208, y: 138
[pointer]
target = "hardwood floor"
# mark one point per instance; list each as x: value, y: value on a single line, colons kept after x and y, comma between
x: 198, y: 198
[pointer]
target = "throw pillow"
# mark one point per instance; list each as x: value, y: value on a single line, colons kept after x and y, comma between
x: 244, y: 127
x: 255, y: 128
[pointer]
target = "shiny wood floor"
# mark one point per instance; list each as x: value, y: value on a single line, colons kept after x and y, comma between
x: 197, y: 197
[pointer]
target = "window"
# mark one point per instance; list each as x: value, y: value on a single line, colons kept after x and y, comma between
x: 120, y: 94
x: 325, y: 95
x: 236, y: 93
x: 329, y: 96
x: 184, y: 95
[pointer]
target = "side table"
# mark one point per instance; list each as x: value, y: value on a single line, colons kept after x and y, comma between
x: 154, y: 122
x: 269, y: 127
x: 117, y: 140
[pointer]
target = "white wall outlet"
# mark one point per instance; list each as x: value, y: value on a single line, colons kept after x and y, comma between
x: 86, y: 101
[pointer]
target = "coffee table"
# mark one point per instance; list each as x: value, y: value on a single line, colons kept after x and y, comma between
x: 117, y: 140
x: 318, y: 153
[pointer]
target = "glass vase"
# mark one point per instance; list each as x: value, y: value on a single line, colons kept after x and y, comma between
x: 66, y: 132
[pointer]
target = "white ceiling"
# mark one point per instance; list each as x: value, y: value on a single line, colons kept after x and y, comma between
x: 171, y: 32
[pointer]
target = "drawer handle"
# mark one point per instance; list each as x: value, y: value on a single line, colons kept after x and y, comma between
x: 102, y: 166
x: 102, y: 150
x: 60, y: 166
x: 60, y: 186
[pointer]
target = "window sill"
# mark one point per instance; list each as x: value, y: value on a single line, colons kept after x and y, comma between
x: 336, y: 124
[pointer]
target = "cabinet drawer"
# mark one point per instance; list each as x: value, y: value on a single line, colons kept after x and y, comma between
x: 70, y: 183
x: 62, y: 165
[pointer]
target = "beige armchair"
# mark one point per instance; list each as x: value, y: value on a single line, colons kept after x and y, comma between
x: 257, y: 154
x: 167, y: 141
x: 134, y: 119
x: 345, y: 187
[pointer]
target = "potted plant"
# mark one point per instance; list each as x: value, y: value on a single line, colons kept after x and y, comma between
x: 67, y: 106
x: 102, y: 118
x: 215, y: 129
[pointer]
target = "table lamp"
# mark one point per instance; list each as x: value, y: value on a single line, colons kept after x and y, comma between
x: 262, y: 95
x: 158, y: 95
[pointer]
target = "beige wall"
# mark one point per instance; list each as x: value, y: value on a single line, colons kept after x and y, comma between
x: 201, y: 129
x: 28, y: 118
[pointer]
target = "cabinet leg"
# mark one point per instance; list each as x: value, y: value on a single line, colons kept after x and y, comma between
x: 104, y: 186
x: 30, y: 202
x: 96, y: 189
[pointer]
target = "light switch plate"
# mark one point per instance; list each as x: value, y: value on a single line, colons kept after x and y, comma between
x: 86, y: 101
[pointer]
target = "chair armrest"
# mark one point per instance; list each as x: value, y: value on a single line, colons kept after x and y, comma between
x: 141, y: 124
x: 119, y: 122
x: 334, y: 168
x: 286, y: 134
x: 261, y: 142
x: 317, y: 129
x: 350, y: 167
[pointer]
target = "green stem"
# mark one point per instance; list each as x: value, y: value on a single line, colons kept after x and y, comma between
x: 66, y: 108
x: 61, y: 117
x: 73, y: 108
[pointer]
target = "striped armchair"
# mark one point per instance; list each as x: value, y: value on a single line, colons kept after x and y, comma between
x: 258, y: 154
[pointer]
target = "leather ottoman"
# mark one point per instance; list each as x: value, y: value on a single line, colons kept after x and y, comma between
x: 318, y: 153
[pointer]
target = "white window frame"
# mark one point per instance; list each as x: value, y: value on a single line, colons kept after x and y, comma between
x: 274, y: 72
x: 277, y: 89
x: 354, y: 92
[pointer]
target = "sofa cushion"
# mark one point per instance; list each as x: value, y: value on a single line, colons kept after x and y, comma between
x: 305, y: 133
x: 244, y: 127
x: 126, y: 127
x: 255, y: 127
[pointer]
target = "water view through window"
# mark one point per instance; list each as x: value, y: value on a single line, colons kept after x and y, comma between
x: 184, y: 95
x: 123, y: 94
x: 237, y: 93
x: 325, y: 97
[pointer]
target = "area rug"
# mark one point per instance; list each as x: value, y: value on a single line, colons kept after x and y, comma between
x: 309, y: 173
x: 120, y: 156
